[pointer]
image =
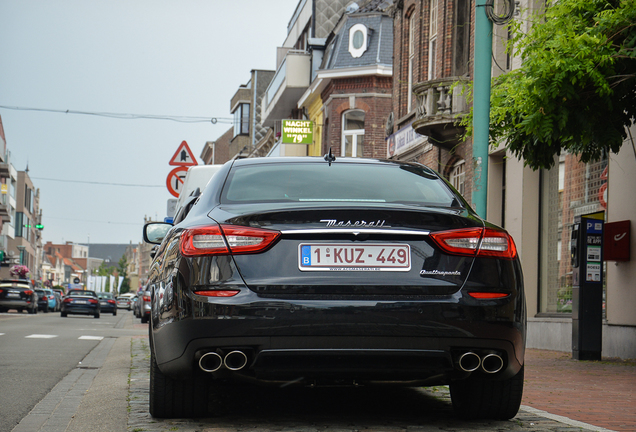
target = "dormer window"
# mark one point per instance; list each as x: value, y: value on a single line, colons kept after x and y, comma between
x: 358, y: 40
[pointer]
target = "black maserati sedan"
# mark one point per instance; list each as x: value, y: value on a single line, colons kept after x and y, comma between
x: 324, y: 271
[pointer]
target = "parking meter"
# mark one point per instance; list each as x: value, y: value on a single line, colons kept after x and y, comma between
x: 587, y: 287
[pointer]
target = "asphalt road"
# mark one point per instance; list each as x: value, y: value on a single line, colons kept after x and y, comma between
x: 38, y: 351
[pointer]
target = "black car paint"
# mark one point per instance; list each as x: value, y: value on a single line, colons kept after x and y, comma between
x: 285, y: 319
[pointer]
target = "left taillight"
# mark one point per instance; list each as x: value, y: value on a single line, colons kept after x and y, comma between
x: 226, y: 240
x: 480, y: 242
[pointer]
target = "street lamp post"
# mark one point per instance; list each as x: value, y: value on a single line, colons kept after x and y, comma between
x: 21, y: 248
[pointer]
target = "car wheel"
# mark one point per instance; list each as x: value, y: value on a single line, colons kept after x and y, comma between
x: 144, y: 319
x: 478, y: 397
x: 96, y: 315
x: 176, y: 398
x: 46, y: 309
x: 63, y: 314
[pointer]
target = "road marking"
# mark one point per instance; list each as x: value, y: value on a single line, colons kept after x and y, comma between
x: 40, y: 336
x: 91, y: 338
x: 1, y: 334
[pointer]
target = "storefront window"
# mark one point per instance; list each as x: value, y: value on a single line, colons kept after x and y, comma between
x: 568, y: 190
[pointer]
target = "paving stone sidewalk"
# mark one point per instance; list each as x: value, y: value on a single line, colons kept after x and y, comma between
x: 334, y: 411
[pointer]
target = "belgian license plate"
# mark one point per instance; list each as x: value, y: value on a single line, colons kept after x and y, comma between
x: 354, y: 257
x: 13, y: 295
x: 81, y: 302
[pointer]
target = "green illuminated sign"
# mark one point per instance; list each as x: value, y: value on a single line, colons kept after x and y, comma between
x: 298, y: 132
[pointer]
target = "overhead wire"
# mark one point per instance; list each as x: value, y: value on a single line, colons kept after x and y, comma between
x: 128, y: 116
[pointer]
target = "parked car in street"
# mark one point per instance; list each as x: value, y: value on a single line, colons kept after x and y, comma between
x: 18, y: 294
x: 143, y: 306
x: 43, y: 300
x: 325, y: 271
x: 82, y: 302
x: 107, y: 302
x: 59, y: 295
x: 124, y: 302
x: 52, y: 300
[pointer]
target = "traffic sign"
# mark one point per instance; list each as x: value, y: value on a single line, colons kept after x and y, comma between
x: 183, y: 156
x: 175, y: 180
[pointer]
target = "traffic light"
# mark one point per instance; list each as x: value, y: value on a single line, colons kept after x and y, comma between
x: 39, y: 226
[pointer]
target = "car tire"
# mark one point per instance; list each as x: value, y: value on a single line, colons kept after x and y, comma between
x: 46, y: 309
x: 480, y: 398
x: 144, y: 319
x: 176, y: 398
x: 63, y: 314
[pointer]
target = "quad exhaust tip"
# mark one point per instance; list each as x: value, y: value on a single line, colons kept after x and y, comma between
x: 210, y: 362
x: 235, y: 360
x: 489, y: 363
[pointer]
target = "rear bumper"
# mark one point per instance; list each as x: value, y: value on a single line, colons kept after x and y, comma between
x: 13, y: 304
x: 84, y: 310
x: 359, y: 340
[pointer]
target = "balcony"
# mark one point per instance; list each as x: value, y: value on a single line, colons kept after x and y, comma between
x: 439, y: 110
x: 288, y: 85
x: 4, y: 170
x: 242, y: 95
x: 4, y: 213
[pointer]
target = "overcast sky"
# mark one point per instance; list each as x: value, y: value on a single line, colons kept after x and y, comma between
x: 152, y: 57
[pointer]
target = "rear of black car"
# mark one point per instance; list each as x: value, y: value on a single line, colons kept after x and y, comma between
x: 80, y: 302
x: 18, y: 294
x: 350, y: 272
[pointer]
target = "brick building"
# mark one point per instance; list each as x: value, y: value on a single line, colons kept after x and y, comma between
x: 432, y: 48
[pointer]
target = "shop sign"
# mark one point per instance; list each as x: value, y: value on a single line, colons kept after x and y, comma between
x: 298, y: 132
x: 403, y: 140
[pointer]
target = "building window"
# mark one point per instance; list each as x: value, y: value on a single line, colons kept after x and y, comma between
x: 568, y: 190
x: 19, y: 224
x: 410, y: 72
x: 352, y: 133
x: 432, y: 41
x: 458, y: 176
x: 358, y: 40
x: 462, y: 38
x: 242, y: 119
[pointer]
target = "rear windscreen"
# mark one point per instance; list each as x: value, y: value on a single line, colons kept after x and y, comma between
x: 345, y: 182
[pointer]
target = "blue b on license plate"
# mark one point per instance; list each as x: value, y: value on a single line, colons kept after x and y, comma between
x: 354, y: 257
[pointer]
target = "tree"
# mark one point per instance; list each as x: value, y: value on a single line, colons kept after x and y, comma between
x: 105, y: 270
x: 576, y: 88
x: 122, y: 269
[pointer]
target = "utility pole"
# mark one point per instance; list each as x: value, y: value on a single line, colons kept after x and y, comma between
x: 481, y: 107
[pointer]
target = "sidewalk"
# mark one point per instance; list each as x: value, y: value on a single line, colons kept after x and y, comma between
x: 599, y: 393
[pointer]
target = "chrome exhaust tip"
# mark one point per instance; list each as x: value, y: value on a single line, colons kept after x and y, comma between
x: 235, y: 360
x: 469, y: 362
x: 492, y: 363
x: 210, y: 362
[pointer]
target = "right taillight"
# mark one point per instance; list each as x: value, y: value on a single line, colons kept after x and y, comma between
x: 226, y: 240
x: 480, y: 242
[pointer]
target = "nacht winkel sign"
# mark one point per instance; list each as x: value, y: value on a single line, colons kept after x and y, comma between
x: 298, y: 132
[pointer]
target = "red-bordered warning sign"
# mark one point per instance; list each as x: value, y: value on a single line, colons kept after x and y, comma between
x: 183, y: 156
x: 175, y: 180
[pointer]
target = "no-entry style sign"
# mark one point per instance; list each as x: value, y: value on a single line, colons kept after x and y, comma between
x: 175, y: 180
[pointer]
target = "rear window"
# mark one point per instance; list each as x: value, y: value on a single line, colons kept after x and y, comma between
x: 82, y: 293
x: 344, y: 182
x: 14, y: 285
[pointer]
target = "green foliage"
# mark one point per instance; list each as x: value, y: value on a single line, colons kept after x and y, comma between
x: 576, y: 88
x: 122, y: 270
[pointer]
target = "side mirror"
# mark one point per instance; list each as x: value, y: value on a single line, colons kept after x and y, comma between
x: 155, y: 232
